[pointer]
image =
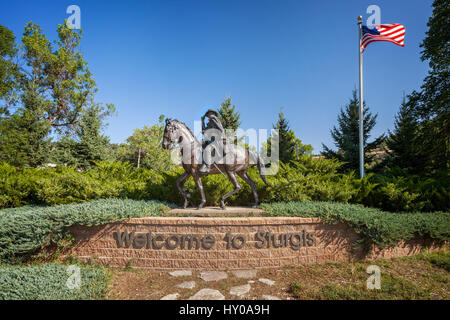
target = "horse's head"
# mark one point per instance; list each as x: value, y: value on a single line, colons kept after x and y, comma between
x: 170, y: 134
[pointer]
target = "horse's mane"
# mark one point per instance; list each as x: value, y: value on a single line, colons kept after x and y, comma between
x: 183, y: 124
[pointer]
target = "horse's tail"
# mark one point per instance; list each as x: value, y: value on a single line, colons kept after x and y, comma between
x: 262, y: 169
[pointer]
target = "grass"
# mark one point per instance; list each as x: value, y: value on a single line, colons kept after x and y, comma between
x: 424, y: 276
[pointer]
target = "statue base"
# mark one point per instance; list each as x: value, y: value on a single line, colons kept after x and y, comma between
x: 215, y: 212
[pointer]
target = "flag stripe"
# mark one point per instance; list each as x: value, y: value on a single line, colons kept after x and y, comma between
x: 390, y: 32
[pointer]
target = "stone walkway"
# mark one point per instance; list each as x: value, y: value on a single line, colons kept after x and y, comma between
x: 237, y: 292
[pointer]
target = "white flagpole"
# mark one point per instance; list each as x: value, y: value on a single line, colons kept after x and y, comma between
x: 361, y: 103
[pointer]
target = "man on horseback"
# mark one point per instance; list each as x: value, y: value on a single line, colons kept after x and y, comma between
x: 214, y: 138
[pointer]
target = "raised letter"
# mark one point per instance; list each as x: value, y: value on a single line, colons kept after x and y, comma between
x: 208, y: 241
x: 260, y: 237
x: 125, y: 236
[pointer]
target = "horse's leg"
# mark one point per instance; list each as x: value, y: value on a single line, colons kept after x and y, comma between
x: 186, y: 195
x: 198, y: 181
x: 237, y: 187
x: 251, y: 183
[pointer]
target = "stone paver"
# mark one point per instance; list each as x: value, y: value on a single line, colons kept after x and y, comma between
x: 244, y: 274
x: 186, y: 285
x: 267, y: 281
x: 181, y: 273
x: 172, y: 296
x: 240, y: 290
x: 268, y: 297
x: 208, y: 294
x: 213, y: 275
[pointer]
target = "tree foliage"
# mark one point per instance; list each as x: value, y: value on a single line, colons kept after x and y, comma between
x: 228, y: 115
x: 420, y: 142
x: 144, y: 149
x: 8, y: 70
x: 346, y: 135
x: 23, y: 136
x: 65, y: 84
x: 432, y: 102
x: 401, y: 143
x: 53, y: 92
x: 290, y: 148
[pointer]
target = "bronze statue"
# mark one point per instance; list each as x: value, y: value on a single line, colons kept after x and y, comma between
x: 234, y: 159
x: 213, y: 123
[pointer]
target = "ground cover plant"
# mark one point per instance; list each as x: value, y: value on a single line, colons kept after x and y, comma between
x: 49, y: 282
x: 374, y: 225
x: 25, y: 230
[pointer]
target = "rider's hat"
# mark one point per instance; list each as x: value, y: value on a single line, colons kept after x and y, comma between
x: 211, y: 112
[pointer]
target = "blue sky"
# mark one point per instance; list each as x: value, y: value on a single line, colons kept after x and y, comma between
x: 179, y: 58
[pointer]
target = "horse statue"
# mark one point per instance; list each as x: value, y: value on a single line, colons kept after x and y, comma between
x: 238, y: 161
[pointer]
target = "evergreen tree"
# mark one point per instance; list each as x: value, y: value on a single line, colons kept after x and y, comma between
x: 23, y: 140
x: 88, y: 144
x: 9, y: 71
x: 93, y: 146
x: 401, y: 144
x: 228, y: 115
x: 289, y: 148
x: 346, y: 135
x: 431, y: 104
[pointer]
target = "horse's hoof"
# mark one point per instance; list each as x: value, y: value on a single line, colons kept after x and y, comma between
x: 201, y: 206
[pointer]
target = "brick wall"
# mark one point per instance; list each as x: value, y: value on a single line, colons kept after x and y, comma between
x: 217, y: 243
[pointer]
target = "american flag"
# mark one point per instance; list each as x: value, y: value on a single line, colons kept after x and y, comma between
x: 392, y: 32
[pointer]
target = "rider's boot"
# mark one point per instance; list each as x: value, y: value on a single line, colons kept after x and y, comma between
x: 204, y: 168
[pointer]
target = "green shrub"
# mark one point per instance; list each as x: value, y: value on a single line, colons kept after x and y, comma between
x: 374, y: 225
x: 307, y: 179
x: 26, y: 229
x: 397, y: 191
x: 49, y: 282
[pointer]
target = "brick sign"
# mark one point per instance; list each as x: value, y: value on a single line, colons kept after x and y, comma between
x: 196, y: 243
x: 263, y: 239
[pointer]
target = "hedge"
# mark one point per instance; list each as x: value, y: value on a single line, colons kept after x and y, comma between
x: 49, y: 282
x: 26, y: 229
x: 305, y: 180
x: 374, y: 225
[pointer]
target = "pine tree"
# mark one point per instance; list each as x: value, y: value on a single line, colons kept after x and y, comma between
x: 228, y: 115
x: 401, y: 143
x: 88, y: 144
x: 431, y: 103
x: 289, y: 147
x: 23, y: 140
x: 93, y: 146
x: 346, y: 135
x: 9, y: 71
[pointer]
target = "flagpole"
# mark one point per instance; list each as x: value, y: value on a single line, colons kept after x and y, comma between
x: 361, y: 103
